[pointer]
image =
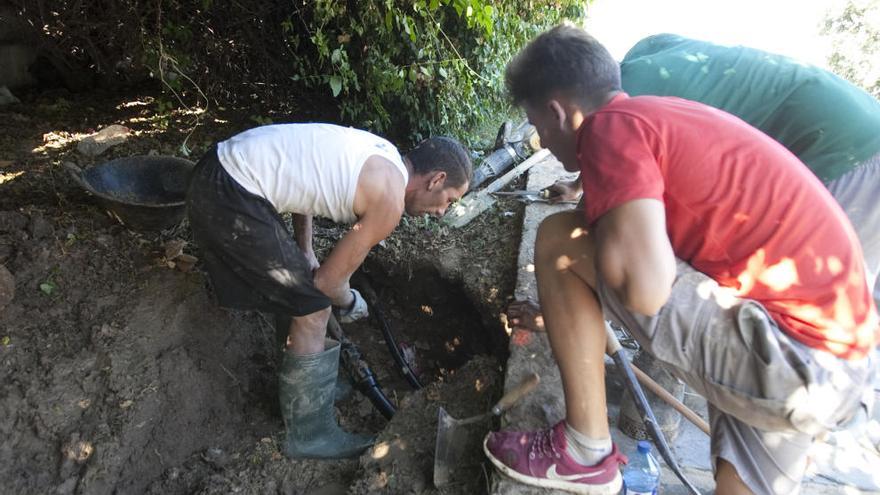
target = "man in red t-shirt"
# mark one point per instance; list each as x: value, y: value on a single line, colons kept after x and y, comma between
x: 716, y: 248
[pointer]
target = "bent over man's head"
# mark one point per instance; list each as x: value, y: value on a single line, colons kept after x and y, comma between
x: 442, y: 169
x: 442, y: 154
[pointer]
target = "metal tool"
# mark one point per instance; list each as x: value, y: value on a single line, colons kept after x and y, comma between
x: 614, y: 349
x: 453, y: 438
x: 476, y: 202
x: 511, y: 145
x: 542, y: 194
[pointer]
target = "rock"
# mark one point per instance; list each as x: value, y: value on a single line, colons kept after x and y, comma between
x: 216, y: 457
x: 103, y: 140
x: 6, y: 96
x: 11, y: 221
x: 7, y: 287
x: 39, y: 227
x: 6, y: 251
x: 335, y: 488
x: 68, y: 487
x: 174, y: 248
x: 185, y: 262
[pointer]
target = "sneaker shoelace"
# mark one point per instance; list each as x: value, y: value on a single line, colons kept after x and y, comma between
x: 543, y: 445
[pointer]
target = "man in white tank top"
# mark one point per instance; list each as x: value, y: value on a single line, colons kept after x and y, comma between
x: 347, y: 175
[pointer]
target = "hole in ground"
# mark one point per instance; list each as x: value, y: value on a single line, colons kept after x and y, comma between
x: 437, y: 328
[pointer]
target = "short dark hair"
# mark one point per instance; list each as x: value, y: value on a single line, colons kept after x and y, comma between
x: 444, y: 154
x: 564, y: 59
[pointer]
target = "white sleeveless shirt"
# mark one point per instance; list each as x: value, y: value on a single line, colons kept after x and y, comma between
x: 308, y: 169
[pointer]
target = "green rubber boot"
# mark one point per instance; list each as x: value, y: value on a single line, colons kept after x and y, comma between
x: 306, y: 390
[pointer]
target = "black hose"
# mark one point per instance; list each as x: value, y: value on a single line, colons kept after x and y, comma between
x: 359, y: 371
x: 364, y: 380
x: 393, y: 348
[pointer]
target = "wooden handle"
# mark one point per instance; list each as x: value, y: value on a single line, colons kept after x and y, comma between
x: 613, y: 345
x: 514, y: 395
x: 670, y: 399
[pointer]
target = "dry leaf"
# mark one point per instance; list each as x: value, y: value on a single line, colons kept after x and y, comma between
x: 185, y: 262
x: 174, y: 248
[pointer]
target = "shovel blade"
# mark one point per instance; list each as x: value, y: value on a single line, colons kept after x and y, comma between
x: 452, y: 442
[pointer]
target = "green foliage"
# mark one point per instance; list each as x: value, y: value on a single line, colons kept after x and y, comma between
x: 855, y: 34
x: 405, y: 68
x: 48, y: 287
x: 423, y: 67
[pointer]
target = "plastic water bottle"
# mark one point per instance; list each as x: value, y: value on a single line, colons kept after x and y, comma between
x: 641, y: 476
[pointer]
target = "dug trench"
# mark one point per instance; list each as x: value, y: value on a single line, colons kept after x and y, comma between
x: 122, y: 376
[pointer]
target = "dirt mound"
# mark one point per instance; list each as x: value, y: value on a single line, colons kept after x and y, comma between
x: 143, y: 391
x: 119, y: 375
x: 402, y: 461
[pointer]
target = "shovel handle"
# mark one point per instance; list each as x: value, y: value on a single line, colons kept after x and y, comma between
x: 514, y: 395
x: 613, y: 345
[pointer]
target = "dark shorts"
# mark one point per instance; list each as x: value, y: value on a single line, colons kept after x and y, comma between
x: 251, y: 258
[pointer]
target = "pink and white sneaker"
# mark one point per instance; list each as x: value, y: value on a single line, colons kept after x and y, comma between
x: 540, y: 459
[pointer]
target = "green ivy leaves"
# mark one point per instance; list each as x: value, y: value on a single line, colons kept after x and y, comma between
x: 412, y: 68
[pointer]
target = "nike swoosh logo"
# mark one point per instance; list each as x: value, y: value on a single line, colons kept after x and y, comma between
x: 553, y: 475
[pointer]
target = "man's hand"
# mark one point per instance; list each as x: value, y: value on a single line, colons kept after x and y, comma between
x: 525, y: 315
x: 565, y: 190
x: 356, y: 311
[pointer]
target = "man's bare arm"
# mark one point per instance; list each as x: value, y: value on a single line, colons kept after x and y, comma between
x: 634, y: 255
x: 302, y: 232
x: 379, y: 203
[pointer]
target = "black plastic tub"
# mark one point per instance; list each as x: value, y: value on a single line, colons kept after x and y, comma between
x: 142, y: 192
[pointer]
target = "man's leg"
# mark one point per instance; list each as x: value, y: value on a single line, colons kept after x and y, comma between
x: 576, y: 454
x: 307, y: 333
x: 727, y: 481
x: 565, y: 273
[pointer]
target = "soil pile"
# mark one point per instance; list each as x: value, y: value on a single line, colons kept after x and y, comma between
x: 119, y: 374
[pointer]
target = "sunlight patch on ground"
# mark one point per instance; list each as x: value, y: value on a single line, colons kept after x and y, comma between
x: 10, y: 176
x: 135, y: 103
x: 55, y: 140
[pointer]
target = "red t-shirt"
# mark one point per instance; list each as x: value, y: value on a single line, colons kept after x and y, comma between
x: 740, y: 208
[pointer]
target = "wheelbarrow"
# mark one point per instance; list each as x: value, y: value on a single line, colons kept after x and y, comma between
x: 141, y: 192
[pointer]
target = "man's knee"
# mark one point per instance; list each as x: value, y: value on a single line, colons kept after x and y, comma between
x: 727, y: 480
x: 312, y: 322
x: 558, y: 233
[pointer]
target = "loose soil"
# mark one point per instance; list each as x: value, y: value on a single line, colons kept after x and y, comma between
x: 120, y: 375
